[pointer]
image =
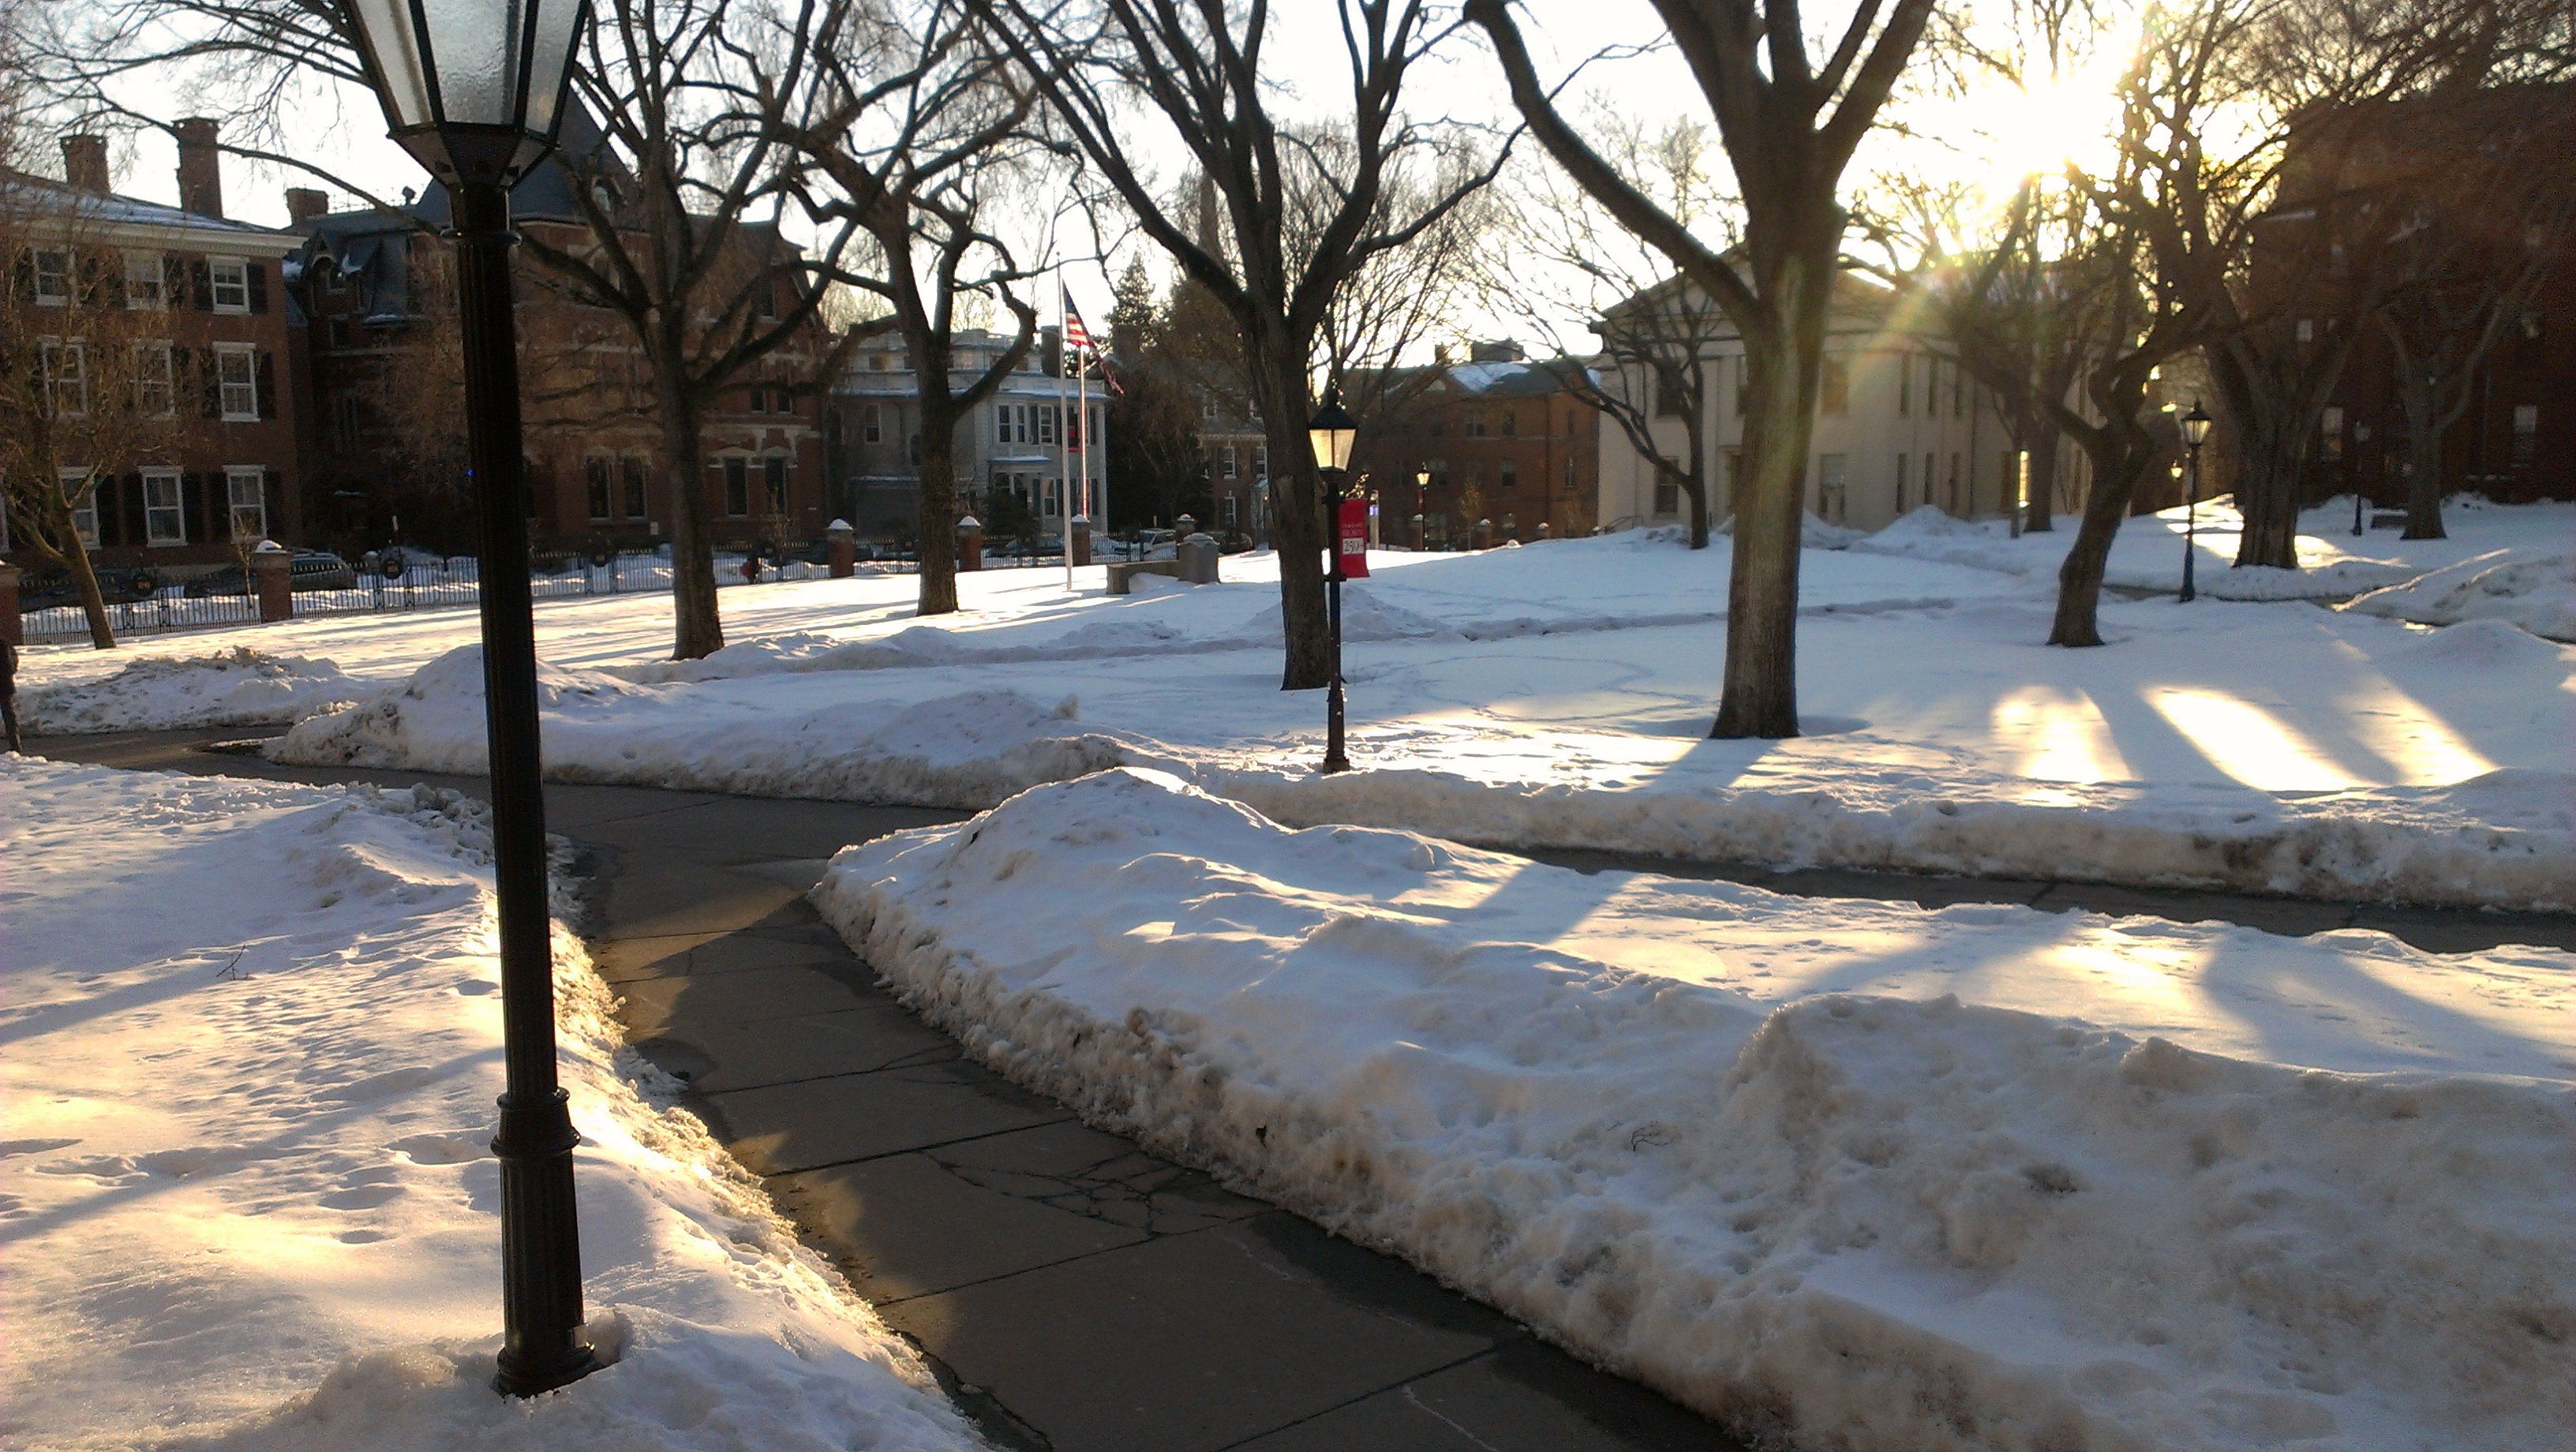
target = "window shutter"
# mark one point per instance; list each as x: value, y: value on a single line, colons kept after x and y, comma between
x: 201, y: 285
x: 174, y: 282
x: 22, y: 275
x: 257, y: 271
x: 196, y: 519
x: 267, y: 376
x: 129, y: 511
x: 210, y: 377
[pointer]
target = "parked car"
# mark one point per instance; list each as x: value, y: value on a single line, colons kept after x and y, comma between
x: 118, y: 584
x: 308, y: 570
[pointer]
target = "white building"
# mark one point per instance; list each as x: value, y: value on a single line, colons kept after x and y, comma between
x: 1016, y: 440
x: 1898, y: 426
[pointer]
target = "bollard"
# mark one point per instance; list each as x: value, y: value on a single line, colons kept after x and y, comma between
x: 842, y: 547
x: 1542, y: 529
x: 12, y: 629
x: 970, y: 543
x: 1077, y: 539
x: 1484, y: 534
x: 268, y: 565
x: 1196, y: 558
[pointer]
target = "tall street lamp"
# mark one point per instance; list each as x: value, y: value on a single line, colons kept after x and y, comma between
x: 2195, y: 427
x: 1331, y: 433
x: 474, y: 89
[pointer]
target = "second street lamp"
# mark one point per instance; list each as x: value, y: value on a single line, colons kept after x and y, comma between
x: 1330, y: 433
x: 474, y: 89
x: 2195, y: 427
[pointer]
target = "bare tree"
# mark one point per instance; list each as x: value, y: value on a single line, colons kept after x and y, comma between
x: 1196, y: 65
x: 1789, y: 126
x: 1654, y: 327
x: 915, y: 123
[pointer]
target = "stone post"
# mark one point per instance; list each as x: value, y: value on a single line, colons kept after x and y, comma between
x: 841, y: 543
x: 276, y: 588
x: 12, y: 629
x: 1077, y: 538
x: 970, y: 543
x: 1542, y: 529
x: 1484, y: 534
x: 1195, y: 557
x: 1418, y: 535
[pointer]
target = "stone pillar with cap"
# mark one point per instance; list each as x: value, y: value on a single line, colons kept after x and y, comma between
x: 1484, y: 534
x: 841, y: 546
x: 970, y: 543
x: 1077, y: 538
x: 1542, y: 529
x: 268, y: 566
x: 12, y: 629
x: 1418, y: 537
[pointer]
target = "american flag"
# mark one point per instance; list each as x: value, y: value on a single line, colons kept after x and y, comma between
x: 1077, y: 338
x: 1078, y: 350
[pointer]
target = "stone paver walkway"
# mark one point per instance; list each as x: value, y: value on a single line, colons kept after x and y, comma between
x: 1073, y: 1291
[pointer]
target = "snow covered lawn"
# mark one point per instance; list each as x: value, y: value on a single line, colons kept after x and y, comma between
x: 252, y: 1044
x: 1981, y: 1177
x: 1554, y: 695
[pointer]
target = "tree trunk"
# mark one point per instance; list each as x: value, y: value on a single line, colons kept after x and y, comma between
x: 57, y: 538
x: 939, y: 514
x: 1783, y: 362
x: 697, y: 630
x: 1296, y: 515
x: 2271, y: 463
x: 2424, y: 488
x: 2117, y: 468
x: 1695, y: 489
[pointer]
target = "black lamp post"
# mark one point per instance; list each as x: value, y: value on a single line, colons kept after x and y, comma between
x: 2195, y: 427
x: 474, y: 89
x: 1331, y: 433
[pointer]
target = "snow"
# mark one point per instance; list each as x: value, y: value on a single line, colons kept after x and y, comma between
x: 239, y: 686
x: 1559, y: 695
x: 2537, y: 595
x: 254, y: 1042
x: 1981, y: 1177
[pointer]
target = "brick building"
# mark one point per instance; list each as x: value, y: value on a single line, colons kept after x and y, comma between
x: 1502, y: 438
x: 206, y: 328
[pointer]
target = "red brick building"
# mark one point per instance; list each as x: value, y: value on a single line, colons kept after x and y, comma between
x: 1503, y: 439
x: 206, y: 328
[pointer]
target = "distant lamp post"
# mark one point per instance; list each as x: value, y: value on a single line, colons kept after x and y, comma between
x: 1331, y: 433
x: 2195, y: 428
x: 474, y: 89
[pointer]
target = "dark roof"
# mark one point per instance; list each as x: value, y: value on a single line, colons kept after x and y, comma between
x: 117, y: 208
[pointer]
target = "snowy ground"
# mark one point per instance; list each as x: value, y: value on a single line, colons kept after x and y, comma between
x: 1554, y: 695
x: 1982, y: 1177
x: 253, y: 1041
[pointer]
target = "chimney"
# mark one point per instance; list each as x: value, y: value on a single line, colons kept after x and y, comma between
x: 1126, y: 340
x: 1500, y: 351
x: 303, y: 204
x: 201, y: 177
x: 85, y: 163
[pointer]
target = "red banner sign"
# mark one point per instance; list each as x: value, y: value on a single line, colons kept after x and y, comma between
x: 1354, y: 540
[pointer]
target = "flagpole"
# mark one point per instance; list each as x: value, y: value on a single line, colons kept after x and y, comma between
x: 1063, y: 434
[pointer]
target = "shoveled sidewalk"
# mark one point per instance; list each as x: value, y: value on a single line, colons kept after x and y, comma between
x: 1073, y: 1291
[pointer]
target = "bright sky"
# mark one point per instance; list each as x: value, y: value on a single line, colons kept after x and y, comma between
x: 1992, y: 138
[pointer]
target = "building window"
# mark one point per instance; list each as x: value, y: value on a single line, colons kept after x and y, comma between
x: 631, y: 472
x: 1511, y: 425
x: 1001, y: 423
x: 1927, y: 459
x: 1569, y: 473
x: 230, y: 279
x: 143, y: 282
x: 1833, y: 482
x: 1226, y: 512
x: 85, y: 513
x: 1668, y: 490
x: 53, y: 269
x: 164, y: 521
x: 594, y: 472
x: 1953, y: 487
x: 759, y: 401
x: 773, y: 478
x: 1958, y: 391
x: 1226, y: 462
x: 246, y: 495
x: 1048, y: 416
x: 66, y: 368
x: 1260, y: 461
x: 2307, y: 330
x: 346, y: 423
x: 1900, y: 473
x: 1207, y: 409
x: 237, y: 383
x: 2526, y: 434
x: 1511, y: 473
x: 871, y: 424
x: 2330, y: 435
x: 1837, y: 387
x: 737, y: 477
x: 1904, y: 406
x: 155, y: 392
x: 1054, y: 497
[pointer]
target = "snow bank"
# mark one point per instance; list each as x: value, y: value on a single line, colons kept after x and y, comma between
x: 970, y: 747
x: 242, y: 686
x: 2538, y: 595
x: 254, y: 1044
x: 1759, y: 1153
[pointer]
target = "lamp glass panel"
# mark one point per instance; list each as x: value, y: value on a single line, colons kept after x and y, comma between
x: 475, y: 44
x: 385, y: 29
x: 1332, y: 447
x: 550, y: 43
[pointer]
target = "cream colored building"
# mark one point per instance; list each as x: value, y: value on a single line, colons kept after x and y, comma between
x: 1898, y: 426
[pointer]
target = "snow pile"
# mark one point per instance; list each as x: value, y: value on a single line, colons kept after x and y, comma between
x: 2539, y: 595
x: 971, y: 747
x: 2151, y: 1186
x: 1814, y: 533
x: 254, y: 1044
x: 242, y: 686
